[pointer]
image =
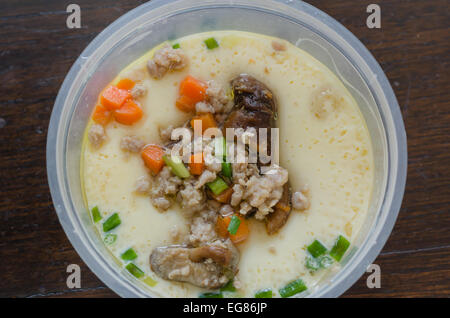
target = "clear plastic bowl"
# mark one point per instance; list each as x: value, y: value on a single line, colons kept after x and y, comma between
x: 142, y: 28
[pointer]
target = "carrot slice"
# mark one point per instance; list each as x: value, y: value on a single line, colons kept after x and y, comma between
x: 224, y: 197
x: 101, y: 115
x: 153, y: 157
x: 242, y: 231
x: 125, y: 83
x: 222, y: 226
x: 128, y: 113
x: 185, y: 104
x: 206, y: 119
x: 193, y: 88
x: 112, y: 97
x: 196, y: 164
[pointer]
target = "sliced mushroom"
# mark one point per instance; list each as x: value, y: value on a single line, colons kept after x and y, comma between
x: 209, y: 266
x: 278, y: 218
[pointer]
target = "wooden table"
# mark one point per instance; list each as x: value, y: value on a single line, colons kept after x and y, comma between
x: 37, y: 50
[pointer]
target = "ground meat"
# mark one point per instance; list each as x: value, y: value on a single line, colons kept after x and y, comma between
x: 202, y: 107
x: 238, y: 193
x: 166, y: 133
x: 205, y: 177
x: 166, y: 59
x: 226, y: 210
x: 142, y: 185
x: 191, y: 199
x: 262, y: 192
x: 96, y: 135
x: 279, y: 46
x: 299, y: 201
x: 138, y: 90
x: 163, y: 185
x: 242, y: 172
x: 218, y: 97
x: 161, y: 202
x: 131, y: 143
x: 203, y: 228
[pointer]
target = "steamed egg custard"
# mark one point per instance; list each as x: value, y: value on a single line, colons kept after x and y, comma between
x: 200, y: 223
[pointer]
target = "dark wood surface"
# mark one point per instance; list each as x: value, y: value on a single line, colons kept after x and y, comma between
x: 37, y: 50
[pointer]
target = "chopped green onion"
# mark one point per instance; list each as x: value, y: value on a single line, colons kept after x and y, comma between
x: 316, y: 249
x: 227, y: 171
x: 134, y: 270
x: 229, y: 287
x: 264, y: 293
x: 129, y: 255
x: 176, y: 46
x: 150, y: 281
x: 177, y: 167
x: 112, y: 222
x: 110, y: 239
x: 340, y: 247
x: 294, y: 287
x: 217, y: 186
x: 234, y: 225
x: 211, y: 295
x: 316, y: 263
x: 211, y: 43
x: 96, y: 216
x: 220, y: 148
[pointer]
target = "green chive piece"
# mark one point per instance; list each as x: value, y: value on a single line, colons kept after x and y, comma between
x: 211, y: 295
x: 264, y: 293
x: 177, y: 167
x: 217, y: 186
x: 150, y: 281
x: 293, y: 288
x: 134, y: 270
x: 220, y: 148
x: 229, y: 287
x: 176, y: 46
x: 110, y: 239
x: 234, y: 225
x: 112, y: 222
x: 316, y: 263
x: 316, y: 249
x: 211, y: 43
x: 96, y: 216
x: 129, y: 255
x: 227, y: 171
x: 340, y: 247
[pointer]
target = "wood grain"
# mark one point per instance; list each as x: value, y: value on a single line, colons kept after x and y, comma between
x: 37, y: 50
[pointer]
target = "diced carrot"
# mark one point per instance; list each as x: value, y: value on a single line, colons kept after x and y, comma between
x: 126, y: 83
x: 224, y: 197
x: 193, y: 88
x: 153, y: 157
x: 196, y: 164
x: 185, y: 104
x: 206, y: 119
x: 128, y: 113
x: 101, y: 115
x: 222, y: 226
x: 112, y: 97
x: 242, y: 231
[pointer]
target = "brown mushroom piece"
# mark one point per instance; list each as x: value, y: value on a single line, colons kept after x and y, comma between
x: 210, y: 266
x: 255, y: 106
